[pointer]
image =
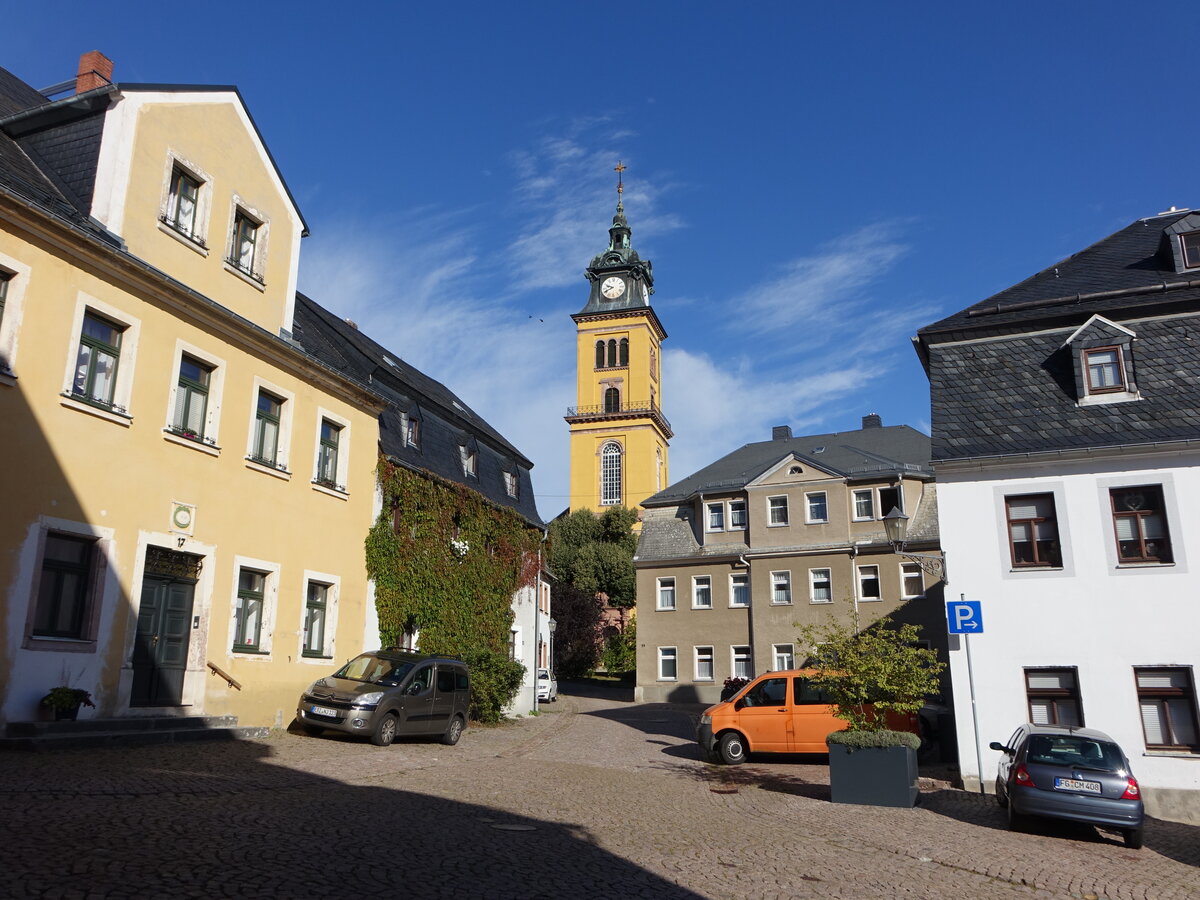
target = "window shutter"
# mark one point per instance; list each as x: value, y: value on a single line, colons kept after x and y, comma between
x: 1039, y: 711
x: 1126, y: 529
x: 180, y: 406
x: 1152, y: 722
x: 195, y: 413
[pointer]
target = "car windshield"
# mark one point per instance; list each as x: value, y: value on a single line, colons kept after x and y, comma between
x: 374, y: 669
x: 1074, y: 751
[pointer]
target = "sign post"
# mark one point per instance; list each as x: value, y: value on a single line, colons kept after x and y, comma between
x: 965, y: 617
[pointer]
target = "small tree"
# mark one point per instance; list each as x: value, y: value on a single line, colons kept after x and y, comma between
x: 620, y: 650
x: 870, y: 673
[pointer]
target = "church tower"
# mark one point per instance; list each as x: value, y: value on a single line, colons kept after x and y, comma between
x: 619, y: 434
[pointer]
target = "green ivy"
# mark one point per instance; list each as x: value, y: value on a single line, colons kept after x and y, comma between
x: 447, y: 562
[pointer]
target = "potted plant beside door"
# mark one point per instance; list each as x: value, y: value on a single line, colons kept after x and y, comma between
x: 877, y: 679
x: 65, y: 701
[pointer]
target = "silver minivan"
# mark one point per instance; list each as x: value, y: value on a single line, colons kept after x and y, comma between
x: 385, y: 694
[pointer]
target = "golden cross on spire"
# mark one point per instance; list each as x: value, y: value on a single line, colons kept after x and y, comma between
x: 619, y: 168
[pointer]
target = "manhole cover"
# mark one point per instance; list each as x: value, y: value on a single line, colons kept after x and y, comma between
x: 514, y: 827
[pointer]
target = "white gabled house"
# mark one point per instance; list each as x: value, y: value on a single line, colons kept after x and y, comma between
x: 1066, y: 445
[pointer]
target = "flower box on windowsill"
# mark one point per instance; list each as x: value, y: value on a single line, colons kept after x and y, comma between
x: 330, y: 487
x: 267, y: 463
x: 188, y: 434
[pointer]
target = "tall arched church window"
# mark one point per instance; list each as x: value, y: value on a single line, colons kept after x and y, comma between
x: 624, y: 351
x: 610, y: 474
x: 658, y: 467
x: 612, y: 400
x: 612, y: 352
x: 599, y: 354
x: 653, y: 363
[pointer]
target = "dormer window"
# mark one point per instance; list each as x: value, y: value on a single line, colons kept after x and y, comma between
x: 1102, y: 358
x: 1104, y: 370
x: 1190, y: 244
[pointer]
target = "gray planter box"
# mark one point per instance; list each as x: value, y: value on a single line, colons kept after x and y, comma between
x: 873, y: 776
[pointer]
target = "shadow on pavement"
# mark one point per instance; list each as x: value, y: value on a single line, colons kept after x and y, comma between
x: 1174, y: 840
x: 621, y: 692
x: 225, y: 821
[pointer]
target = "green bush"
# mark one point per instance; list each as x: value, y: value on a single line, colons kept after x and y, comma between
x: 620, y: 651
x: 860, y: 740
x: 495, y: 680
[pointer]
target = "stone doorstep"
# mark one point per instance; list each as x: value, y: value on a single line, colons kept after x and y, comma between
x: 134, y: 731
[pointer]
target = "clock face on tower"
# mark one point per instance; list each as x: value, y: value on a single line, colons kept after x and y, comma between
x: 613, y: 287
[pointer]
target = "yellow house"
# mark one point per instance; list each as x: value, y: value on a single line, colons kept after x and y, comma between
x: 619, y: 435
x: 185, y: 491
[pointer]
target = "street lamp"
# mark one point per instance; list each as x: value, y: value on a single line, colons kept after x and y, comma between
x: 895, y: 525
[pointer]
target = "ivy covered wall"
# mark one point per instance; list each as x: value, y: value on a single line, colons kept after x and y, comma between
x: 447, y: 562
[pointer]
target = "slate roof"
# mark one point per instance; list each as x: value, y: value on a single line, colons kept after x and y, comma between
x: 865, y: 453
x: 1003, y: 384
x: 447, y: 423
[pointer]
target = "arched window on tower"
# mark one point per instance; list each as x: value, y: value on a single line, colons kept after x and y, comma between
x: 624, y: 351
x: 610, y: 474
x: 612, y: 400
x: 599, y: 354
x: 612, y: 352
x: 658, y: 467
x: 653, y: 364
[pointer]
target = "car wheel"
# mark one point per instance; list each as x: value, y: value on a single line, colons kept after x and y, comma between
x: 1133, y: 838
x: 453, y: 732
x: 385, y: 731
x: 732, y: 748
x: 1001, y: 797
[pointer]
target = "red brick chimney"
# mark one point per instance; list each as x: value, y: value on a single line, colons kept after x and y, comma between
x: 95, y: 70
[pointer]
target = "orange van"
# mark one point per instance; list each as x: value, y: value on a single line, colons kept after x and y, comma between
x: 779, y: 712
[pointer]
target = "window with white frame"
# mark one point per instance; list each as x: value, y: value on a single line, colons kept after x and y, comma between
x: 666, y: 593
x: 97, y: 360
x: 785, y: 657
x: 864, y: 504
x: 248, y: 613
x: 781, y: 587
x: 777, y: 511
x: 610, y: 474
x: 469, y: 455
x: 190, y: 415
x: 716, y: 517
x: 316, y: 617
x: 737, y: 513
x: 245, y: 248
x: 701, y: 592
x: 333, y: 436
x: 816, y: 508
x: 890, y: 498
x: 267, y: 415
x: 820, y: 585
x: 739, y: 590
x: 868, y: 583
x: 743, y: 664
x: 1190, y: 244
x: 511, y: 484
x: 1167, y: 702
x: 912, y: 582
x: 704, y: 664
x: 667, y: 664
x: 183, y: 204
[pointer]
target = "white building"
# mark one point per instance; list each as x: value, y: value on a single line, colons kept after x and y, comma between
x: 1066, y: 443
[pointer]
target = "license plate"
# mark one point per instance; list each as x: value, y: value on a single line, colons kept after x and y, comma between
x: 1072, y: 784
x: 332, y: 713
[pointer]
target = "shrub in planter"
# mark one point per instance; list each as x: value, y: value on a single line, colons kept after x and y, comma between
x: 871, y: 675
x: 65, y: 701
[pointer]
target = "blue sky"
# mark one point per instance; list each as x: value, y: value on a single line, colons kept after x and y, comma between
x: 812, y: 182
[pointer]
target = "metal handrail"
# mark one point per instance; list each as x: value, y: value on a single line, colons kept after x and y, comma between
x: 625, y: 409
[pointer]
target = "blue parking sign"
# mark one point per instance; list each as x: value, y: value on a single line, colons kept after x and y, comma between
x: 964, y: 616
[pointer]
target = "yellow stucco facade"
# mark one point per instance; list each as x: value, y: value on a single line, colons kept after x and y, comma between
x: 185, y: 493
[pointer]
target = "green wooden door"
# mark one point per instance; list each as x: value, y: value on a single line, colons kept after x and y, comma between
x: 161, y: 649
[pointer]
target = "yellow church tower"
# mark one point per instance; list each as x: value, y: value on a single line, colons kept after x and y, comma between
x: 619, y: 435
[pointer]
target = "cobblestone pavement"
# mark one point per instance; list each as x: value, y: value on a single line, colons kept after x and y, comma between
x: 594, y: 798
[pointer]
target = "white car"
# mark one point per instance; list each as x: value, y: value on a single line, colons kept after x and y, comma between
x: 547, y: 686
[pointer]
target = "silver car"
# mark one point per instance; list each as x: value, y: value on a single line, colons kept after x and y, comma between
x: 387, y: 694
x: 1078, y: 774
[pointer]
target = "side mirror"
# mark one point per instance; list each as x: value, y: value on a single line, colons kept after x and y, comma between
x: 741, y: 704
x: 414, y: 688
x: 996, y: 745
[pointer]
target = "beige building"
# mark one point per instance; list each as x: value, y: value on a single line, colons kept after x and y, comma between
x: 185, y: 491
x: 778, y: 534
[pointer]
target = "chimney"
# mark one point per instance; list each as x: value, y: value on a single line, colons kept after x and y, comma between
x: 95, y: 70
x: 781, y: 433
x: 872, y: 420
